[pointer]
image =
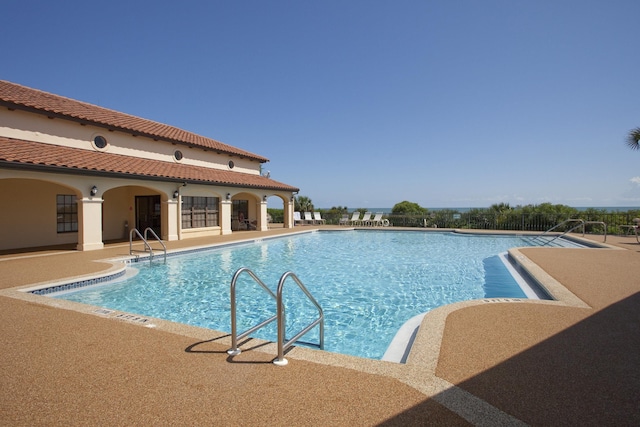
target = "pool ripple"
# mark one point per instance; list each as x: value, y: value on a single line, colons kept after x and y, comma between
x: 368, y: 283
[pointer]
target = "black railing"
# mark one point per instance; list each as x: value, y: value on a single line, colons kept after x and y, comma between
x: 488, y: 220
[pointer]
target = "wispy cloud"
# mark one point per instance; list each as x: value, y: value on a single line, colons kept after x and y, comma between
x: 635, y: 180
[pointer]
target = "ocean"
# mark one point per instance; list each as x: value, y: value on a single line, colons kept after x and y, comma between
x: 612, y: 209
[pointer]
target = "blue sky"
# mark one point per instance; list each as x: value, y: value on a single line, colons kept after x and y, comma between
x: 451, y: 103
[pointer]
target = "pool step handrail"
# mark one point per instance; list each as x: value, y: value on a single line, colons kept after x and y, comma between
x: 604, y: 225
x: 540, y: 238
x: 145, y: 242
x: 153, y: 233
x: 234, y: 350
x: 282, y: 346
x: 280, y: 316
x: 581, y: 223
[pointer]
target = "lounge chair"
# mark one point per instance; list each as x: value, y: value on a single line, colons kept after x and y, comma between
x: 366, y: 219
x: 355, y: 217
x: 344, y: 220
x: 296, y: 218
x: 377, y: 220
x: 308, y: 218
x: 317, y: 218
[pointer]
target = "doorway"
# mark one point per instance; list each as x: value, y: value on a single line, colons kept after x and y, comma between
x: 148, y: 210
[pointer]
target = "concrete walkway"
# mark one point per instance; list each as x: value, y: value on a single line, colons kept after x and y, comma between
x: 568, y: 362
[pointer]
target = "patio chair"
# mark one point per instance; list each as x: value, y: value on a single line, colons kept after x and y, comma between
x: 308, y: 218
x: 317, y: 218
x: 244, y: 223
x: 344, y: 220
x: 296, y: 218
x: 355, y: 217
x: 366, y: 219
x: 377, y: 220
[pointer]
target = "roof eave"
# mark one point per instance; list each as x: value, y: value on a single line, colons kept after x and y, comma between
x: 54, y: 115
x: 93, y: 172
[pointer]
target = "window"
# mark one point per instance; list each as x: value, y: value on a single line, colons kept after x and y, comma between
x: 177, y: 155
x: 66, y: 213
x: 200, y: 212
x: 100, y: 142
x: 231, y: 164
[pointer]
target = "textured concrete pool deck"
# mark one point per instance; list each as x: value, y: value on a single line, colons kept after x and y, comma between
x: 573, y: 361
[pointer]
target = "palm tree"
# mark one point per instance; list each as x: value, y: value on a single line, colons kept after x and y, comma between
x: 500, y: 207
x: 303, y: 204
x: 633, y: 139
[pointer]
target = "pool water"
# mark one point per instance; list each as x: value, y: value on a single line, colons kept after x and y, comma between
x: 369, y: 283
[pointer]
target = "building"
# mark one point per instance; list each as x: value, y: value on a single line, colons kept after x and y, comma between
x: 76, y: 173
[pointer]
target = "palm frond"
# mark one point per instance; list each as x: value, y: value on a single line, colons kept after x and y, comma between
x: 633, y: 139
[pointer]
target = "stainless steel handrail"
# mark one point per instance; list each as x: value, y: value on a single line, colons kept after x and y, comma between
x: 144, y: 241
x: 282, y: 346
x: 234, y: 350
x: 581, y: 223
x: 153, y: 233
x: 279, y: 316
x: 597, y: 222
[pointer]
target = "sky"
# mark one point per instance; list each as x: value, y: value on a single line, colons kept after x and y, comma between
x: 366, y: 103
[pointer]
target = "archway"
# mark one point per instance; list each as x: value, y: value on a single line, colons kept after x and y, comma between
x: 133, y: 206
x: 277, y: 210
x: 38, y: 213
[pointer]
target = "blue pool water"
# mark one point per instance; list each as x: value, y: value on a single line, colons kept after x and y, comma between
x: 368, y: 283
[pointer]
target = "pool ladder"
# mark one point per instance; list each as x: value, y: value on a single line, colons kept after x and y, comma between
x: 145, y: 242
x: 280, y: 316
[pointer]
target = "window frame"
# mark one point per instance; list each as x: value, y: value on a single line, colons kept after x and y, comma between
x: 66, y: 213
x: 199, y: 212
x: 103, y: 145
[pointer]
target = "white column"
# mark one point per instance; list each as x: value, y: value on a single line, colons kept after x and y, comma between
x: 171, y: 219
x: 288, y: 214
x: 263, y: 224
x: 90, y: 224
x: 225, y: 216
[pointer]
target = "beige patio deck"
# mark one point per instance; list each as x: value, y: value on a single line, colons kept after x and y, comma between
x: 491, y: 362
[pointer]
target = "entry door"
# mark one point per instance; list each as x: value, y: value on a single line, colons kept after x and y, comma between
x: 148, y: 213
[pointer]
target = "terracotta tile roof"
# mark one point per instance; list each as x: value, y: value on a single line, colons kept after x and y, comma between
x: 16, y: 96
x: 36, y: 155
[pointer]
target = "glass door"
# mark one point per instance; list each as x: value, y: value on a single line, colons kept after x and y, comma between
x: 148, y: 214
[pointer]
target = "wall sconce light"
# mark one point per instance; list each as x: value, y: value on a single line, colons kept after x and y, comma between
x: 228, y: 196
x: 94, y: 190
x: 176, y: 194
x: 292, y: 198
x: 264, y: 198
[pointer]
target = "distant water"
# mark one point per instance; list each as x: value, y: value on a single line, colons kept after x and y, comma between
x: 463, y: 210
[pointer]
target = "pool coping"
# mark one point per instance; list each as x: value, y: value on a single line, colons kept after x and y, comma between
x: 419, y: 371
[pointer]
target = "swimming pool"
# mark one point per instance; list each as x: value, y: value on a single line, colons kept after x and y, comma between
x: 369, y: 283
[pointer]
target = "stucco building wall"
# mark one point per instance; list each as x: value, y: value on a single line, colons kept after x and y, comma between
x: 109, y: 197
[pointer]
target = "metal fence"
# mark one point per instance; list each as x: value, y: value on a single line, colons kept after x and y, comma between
x: 490, y: 220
